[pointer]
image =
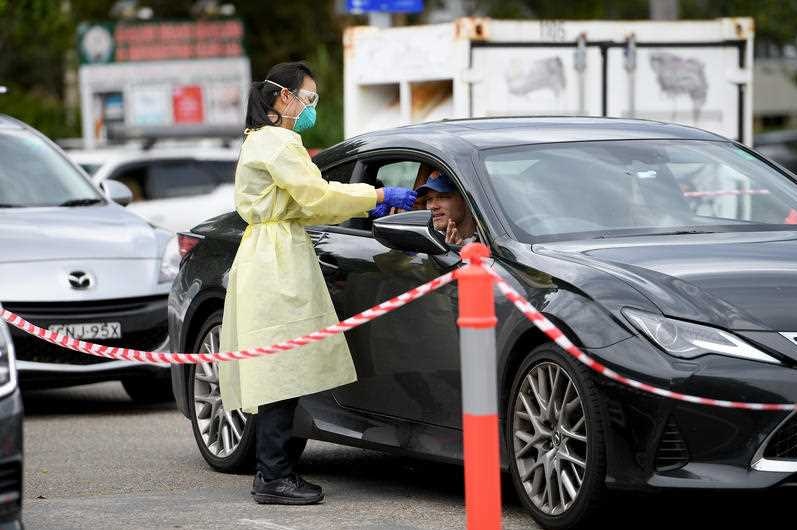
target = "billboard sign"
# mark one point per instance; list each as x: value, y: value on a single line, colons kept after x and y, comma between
x: 161, y: 79
x: 107, y: 42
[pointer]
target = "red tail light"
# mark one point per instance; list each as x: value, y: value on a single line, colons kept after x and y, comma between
x: 186, y: 243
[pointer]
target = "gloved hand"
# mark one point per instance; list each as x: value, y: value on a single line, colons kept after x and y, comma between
x: 403, y: 198
x: 381, y: 210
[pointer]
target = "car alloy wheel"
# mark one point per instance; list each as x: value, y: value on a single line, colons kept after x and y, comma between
x: 225, y: 438
x: 221, y: 430
x: 555, y: 439
x: 550, y: 438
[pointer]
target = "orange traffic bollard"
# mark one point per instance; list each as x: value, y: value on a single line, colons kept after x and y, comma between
x: 479, y: 391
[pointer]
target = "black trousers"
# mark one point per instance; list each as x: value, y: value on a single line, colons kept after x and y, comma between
x: 273, y: 426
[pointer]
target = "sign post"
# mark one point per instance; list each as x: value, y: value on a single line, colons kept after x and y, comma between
x: 479, y: 391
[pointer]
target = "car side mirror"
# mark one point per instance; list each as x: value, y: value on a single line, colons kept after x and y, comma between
x: 411, y: 232
x: 117, y: 191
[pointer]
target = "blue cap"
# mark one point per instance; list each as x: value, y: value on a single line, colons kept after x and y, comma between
x: 438, y: 182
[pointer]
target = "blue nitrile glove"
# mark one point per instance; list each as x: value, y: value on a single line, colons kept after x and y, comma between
x: 403, y: 198
x: 381, y: 210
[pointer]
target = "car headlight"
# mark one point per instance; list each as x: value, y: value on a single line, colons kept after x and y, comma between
x: 170, y: 262
x: 8, y: 375
x: 687, y: 340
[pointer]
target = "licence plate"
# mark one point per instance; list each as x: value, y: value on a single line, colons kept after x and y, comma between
x: 89, y: 330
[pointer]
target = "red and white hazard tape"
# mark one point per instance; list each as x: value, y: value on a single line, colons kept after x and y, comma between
x: 555, y: 334
x: 193, y: 358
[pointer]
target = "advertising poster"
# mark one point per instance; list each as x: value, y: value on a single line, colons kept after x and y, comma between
x: 150, y: 105
x: 187, y: 104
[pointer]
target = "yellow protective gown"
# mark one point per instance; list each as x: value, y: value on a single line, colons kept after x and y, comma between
x: 276, y: 290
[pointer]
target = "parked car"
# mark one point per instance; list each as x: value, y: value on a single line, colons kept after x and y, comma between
x: 661, y: 250
x: 75, y: 261
x: 174, y: 187
x: 10, y: 436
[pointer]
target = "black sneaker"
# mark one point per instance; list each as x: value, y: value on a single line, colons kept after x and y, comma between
x: 292, y: 489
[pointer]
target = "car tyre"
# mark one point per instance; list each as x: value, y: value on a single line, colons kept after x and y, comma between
x: 555, y: 439
x: 226, y: 439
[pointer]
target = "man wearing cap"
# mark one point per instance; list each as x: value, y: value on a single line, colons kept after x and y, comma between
x: 450, y: 213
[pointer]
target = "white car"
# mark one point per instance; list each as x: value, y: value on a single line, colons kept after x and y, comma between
x: 75, y: 261
x: 175, y: 188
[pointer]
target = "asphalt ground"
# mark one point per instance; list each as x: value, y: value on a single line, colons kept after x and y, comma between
x: 94, y: 459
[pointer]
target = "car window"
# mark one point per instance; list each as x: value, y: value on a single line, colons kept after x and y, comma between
x: 340, y: 173
x: 640, y: 186
x: 90, y: 168
x: 402, y: 174
x: 33, y: 173
x: 223, y: 171
x: 165, y: 179
x: 399, y: 174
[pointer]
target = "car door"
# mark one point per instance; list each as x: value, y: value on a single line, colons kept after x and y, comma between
x: 408, y: 360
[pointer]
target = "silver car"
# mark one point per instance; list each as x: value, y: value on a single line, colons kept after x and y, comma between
x: 76, y: 261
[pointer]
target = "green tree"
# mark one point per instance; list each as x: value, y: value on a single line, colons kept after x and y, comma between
x: 34, y: 38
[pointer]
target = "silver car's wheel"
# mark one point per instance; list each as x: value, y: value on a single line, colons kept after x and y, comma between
x: 555, y: 435
x: 221, y: 430
x: 550, y: 438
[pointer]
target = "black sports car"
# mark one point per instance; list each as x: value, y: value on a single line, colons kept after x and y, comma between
x: 666, y: 252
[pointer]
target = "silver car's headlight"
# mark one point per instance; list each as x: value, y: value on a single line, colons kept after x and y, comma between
x: 8, y: 374
x: 687, y: 340
x: 170, y: 262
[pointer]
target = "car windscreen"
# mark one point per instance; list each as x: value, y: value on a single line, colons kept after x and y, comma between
x: 33, y: 173
x: 636, y: 187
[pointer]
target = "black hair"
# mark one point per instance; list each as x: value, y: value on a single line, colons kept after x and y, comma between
x: 262, y: 94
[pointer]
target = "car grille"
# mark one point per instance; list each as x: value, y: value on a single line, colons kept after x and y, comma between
x: 672, y: 452
x: 783, y: 443
x: 29, y: 348
x: 10, y: 489
x: 104, y: 308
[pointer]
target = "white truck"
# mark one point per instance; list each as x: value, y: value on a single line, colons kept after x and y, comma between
x: 691, y: 72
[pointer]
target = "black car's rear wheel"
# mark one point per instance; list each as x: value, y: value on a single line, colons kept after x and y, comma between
x: 555, y: 439
x: 225, y: 438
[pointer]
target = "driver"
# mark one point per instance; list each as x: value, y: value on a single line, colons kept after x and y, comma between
x: 450, y: 214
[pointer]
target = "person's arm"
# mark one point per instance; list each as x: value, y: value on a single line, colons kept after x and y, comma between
x: 322, y: 202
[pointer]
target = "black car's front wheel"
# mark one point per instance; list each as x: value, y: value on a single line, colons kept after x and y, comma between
x: 225, y: 438
x: 555, y: 439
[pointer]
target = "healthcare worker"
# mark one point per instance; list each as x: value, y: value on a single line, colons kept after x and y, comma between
x: 275, y: 289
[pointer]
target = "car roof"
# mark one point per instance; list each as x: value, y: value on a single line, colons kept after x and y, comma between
x: 492, y: 132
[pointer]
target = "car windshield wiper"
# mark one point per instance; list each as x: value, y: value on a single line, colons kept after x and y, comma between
x: 4, y: 205
x: 647, y: 234
x: 80, y: 202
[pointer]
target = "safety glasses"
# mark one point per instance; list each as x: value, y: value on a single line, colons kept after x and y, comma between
x: 307, y: 97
